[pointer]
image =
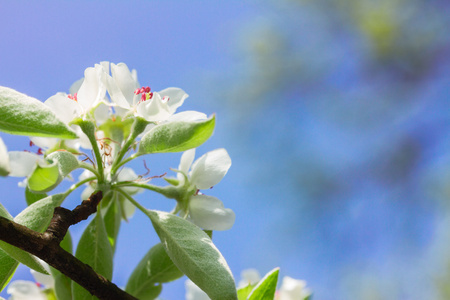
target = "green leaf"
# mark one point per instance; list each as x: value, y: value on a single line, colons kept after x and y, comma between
x: 32, y: 197
x: 4, y: 160
x: 112, y: 219
x: 172, y: 181
x: 154, y: 268
x: 37, y: 216
x: 176, y: 136
x: 66, y: 161
x: 44, y: 178
x: 24, y: 115
x: 95, y: 250
x: 8, y: 266
x: 63, y: 284
x: 18, y: 254
x: 193, y: 252
x: 244, y: 292
x: 266, y: 287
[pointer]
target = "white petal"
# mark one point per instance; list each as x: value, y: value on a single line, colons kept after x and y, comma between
x: 128, y: 174
x: 101, y: 113
x: 128, y: 208
x: 24, y: 290
x: 124, y: 80
x: 66, y: 109
x: 193, y: 292
x: 153, y: 109
x: 293, y: 289
x: 23, y: 163
x: 93, y: 90
x: 76, y: 86
x: 43, y: 142
x: 87, y: 192
x: 46, y: 280
x: 4, y: 160
x: 210, y: 168
x: 105, y: 66
x: 209, y: 213
x: 85, y: 175
x: 134, y: 76
x: 185, y: 162
x: 249, y: 276
x: 175, y: 96
x: 117, y: 96
x: 188, y: 116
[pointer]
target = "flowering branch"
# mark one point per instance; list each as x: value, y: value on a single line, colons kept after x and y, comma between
x: 46, y: 247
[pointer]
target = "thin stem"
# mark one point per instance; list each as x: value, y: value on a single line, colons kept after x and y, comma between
x: 118, y: 165
x: 137, y: 128
x: 118, y: 161
x: 78, y: 184
x: 99, y: 160
x: 89, y: 129
x: 88, y: 167
x: 135, y: 203
x: 150, y: 187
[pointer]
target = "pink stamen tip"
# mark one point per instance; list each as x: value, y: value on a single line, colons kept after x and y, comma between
x: 147, y: 89
x: 40, y: 151
x: 31, y: 143
x: 74, y: 97
x: 143, y: 97
x: 137, y: 91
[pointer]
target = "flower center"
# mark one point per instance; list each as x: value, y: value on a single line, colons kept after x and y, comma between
x: 74, y: 97
x: 145, y: 93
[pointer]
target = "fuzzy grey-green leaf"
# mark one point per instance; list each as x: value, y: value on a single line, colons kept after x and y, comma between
x: 154, y: 268
x: 193, y: 252
x: 67, y: 162
x: 176, y: 136
x: 36, y: 217
x: 44, y: 178
x: 24, y: 115
x: 18, y: 254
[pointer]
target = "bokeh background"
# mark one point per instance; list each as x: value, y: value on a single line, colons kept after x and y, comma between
x: 335, y: 113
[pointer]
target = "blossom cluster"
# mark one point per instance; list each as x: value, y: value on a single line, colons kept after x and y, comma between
x: 111, y: 93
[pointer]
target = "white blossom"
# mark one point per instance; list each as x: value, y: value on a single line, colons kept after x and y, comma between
x: 206, y: 211
x: 88, y: 95
x: 129, y: 98
x: 249, y: 276
x: 28, y: 290
x: 293, y: 289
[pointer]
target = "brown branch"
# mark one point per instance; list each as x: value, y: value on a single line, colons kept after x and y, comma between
x: 46, y: 247
x: 64, y: 218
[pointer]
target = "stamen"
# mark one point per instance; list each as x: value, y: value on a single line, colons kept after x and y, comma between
x: 74, y: 97
x: 40, y: 151
x: 31, y: 144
